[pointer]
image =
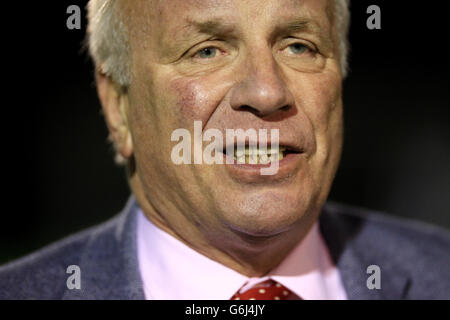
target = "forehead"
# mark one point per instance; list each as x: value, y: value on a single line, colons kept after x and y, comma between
x: 168, y: 18
x: 232, y: 6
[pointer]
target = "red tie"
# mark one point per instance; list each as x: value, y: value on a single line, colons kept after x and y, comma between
x: 266, y: 290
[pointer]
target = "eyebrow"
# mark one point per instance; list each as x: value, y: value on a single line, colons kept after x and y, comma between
x: 212, y: 27
x: 301, y: 25
x: 222, y: 27
x: 296, y: 25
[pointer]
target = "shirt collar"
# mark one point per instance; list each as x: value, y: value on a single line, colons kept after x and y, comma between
x: 172, y: 270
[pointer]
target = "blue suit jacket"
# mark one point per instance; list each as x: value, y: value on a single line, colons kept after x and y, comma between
x: 414, y: 259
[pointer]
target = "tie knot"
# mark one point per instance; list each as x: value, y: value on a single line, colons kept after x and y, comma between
x: 266, y: 290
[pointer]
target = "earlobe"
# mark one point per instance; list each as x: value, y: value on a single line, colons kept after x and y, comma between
x: 125, y: 146
x: 115, y: 108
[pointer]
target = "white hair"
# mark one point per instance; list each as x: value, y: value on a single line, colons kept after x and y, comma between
x: 342, y: 23
x: 109, y: 47
x: 108, y: 40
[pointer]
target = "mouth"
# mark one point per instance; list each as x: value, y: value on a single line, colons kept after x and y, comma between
x: 260, y: 156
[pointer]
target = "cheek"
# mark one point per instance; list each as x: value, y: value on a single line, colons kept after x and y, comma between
x: 322, y: 102
x: 322, y: 105
x: 194, y: 100
x: 198, y: 99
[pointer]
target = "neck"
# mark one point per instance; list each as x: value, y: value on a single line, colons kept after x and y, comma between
x: 252, y: 256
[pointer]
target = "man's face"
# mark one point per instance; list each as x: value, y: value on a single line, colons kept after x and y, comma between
x: 236, y: 64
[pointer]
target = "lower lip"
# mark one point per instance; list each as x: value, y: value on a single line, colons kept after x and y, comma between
x: 286, y: 166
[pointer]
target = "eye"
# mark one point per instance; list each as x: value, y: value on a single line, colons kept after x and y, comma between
x: 206, y: 53
x: 298, y: 48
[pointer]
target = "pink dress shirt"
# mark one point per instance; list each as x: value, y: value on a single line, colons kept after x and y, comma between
x: 171, y: 270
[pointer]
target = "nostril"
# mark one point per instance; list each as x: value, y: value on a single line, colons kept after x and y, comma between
x: 248, y: 108
x: 285, y: 108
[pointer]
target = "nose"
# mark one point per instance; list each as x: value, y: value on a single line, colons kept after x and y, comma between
x: 262, y: 91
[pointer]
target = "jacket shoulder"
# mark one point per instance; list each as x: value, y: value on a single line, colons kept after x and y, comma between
x: 417, y: 250
x: 43, y: 274
x: 407, y: 232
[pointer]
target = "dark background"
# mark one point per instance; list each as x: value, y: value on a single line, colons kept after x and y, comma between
x: 58, y: 171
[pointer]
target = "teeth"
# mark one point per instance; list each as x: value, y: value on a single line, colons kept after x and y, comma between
x: 252, y: 158
x: 263, y: 158
x: 256, y: 156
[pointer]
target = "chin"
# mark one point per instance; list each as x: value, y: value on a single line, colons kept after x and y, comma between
x: 266, y: 214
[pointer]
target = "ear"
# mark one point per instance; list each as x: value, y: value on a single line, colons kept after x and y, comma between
x: 115, y: 107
